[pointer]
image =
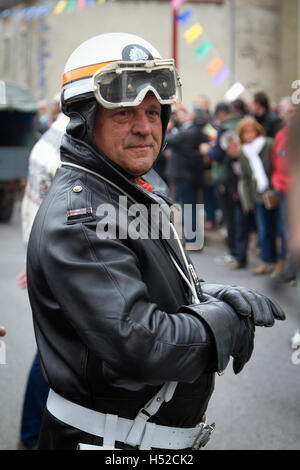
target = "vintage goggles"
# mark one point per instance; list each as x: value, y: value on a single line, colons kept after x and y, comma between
x: 121, y: 84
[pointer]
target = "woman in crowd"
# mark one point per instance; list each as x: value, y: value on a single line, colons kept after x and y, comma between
x: 241, y: 218
x: 256, y: 168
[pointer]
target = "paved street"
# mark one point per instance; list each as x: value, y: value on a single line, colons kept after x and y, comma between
x: 258, y: 409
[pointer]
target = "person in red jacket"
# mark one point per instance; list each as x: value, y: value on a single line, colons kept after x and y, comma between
x: 280, y: 176
x: 293, y: 205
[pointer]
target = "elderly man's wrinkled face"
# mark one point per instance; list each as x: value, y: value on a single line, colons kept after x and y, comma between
x: 131, y: 137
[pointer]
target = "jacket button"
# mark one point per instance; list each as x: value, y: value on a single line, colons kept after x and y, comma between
x: 77, y: 189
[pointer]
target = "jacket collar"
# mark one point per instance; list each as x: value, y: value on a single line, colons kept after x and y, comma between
x: 79, y: 152
x: 76, y: 151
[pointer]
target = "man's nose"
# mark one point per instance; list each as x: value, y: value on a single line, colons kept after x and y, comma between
x: 141, y: 124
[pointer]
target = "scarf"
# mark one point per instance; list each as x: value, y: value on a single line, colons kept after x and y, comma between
x: 140, y: 182
x: 252, y: 152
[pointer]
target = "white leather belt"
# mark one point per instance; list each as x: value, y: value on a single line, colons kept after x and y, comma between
x: 138, y: 432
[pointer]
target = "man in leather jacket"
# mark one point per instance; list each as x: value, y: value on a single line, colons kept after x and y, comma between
x: 116, y: 317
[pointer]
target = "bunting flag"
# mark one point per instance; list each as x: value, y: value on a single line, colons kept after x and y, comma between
x: 71, y: 6
x: 57, y: 7
x: 176, y: 3
x: 214, y: 66
x: 221, y: 76
x: 60, y: 7
x: 80, y: 5
x: 6, y: 13
x: 234, y: 92
x: 184, y: 17
x: 193, y: 33
x: 203, y: 49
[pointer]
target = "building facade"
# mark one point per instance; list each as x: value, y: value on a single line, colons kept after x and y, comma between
x: 257, y: 41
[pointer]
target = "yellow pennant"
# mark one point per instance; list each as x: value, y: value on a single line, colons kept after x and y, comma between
x: 60, y: 6
x: 193, y: 33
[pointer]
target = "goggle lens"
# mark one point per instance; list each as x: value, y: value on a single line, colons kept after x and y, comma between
x: 128, y: 87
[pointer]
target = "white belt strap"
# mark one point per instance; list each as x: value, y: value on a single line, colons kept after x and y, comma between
x: 110, y: 429
x: 140, y: 424
x: 114, y: 428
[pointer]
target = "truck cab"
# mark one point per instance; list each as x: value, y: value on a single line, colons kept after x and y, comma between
x: 18, y: 112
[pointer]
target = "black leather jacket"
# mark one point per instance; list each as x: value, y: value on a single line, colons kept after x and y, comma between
x: 108, y: 314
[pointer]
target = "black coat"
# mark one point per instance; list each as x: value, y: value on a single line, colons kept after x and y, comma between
x: 109, y: 315
x: 270, y: 122
x: 186, y: 161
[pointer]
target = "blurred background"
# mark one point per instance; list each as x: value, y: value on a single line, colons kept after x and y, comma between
x: 257, y: 40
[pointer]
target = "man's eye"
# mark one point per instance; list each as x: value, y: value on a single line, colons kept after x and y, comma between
x: 154, y: 113
x: 123, y: 112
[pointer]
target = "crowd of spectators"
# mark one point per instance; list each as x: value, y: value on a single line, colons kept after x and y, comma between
x: 234, y: 161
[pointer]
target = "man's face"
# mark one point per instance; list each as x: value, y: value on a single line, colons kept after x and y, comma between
x: 254, y: 107
x: 288, y: 113
x: 221, y: 116
x: 131, y: 137
x: 233, y: 149
x: 203, y: 103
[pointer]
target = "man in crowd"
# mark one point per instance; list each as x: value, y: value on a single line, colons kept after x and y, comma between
x: 260, y: 108
x: 228, y: 121
x: 129, y: 340
x: 44, y: 160
x: 280, y: 181
x: 294, y: 197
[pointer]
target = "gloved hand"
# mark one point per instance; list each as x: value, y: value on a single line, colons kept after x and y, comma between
x: 247, y: 303
x: 244, y: 345
x: 233, y: 334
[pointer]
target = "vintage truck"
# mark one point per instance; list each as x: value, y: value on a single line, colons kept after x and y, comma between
x: 18, y: 111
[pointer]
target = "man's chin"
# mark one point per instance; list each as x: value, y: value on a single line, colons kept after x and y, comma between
x: 137, y: 173
x: 140, y: 168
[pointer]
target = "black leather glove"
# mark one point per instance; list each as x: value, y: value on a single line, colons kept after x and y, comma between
x: 247, y: 303
x: 233, y: 334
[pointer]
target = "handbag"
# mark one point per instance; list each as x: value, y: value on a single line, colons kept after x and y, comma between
x: 270, y: 199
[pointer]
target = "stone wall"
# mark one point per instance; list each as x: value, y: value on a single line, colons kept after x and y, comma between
x: 262, y: 54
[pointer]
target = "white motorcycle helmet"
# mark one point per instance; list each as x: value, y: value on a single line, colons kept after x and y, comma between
x: 115, y: 70
x: 118, y: 69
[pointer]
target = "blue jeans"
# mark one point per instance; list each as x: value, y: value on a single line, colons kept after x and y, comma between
x: 186, y: 193
x: 266, y: 231
x: 241, y: 233
x: 210, y: 203
x: 34, y: 405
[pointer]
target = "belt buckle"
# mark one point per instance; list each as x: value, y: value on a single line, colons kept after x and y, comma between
x: 203, y: 435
